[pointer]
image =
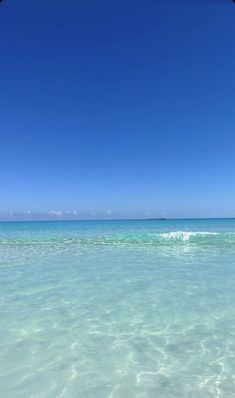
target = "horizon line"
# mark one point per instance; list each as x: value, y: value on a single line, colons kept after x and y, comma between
x: 122, y: 219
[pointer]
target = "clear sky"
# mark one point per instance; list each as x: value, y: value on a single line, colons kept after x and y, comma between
x: 117, y: 108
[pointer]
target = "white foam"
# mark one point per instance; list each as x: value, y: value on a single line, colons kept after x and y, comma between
x: 185, y: 235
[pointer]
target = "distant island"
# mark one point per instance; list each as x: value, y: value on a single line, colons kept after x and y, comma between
x: 157, y: 219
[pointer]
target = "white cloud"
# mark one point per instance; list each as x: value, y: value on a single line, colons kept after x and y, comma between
x: 55, y: 213
x: 75, y: 213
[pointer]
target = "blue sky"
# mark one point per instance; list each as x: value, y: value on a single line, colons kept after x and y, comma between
x: 117, y: 109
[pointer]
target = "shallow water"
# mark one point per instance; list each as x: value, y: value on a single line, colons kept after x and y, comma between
x: 117, y: 309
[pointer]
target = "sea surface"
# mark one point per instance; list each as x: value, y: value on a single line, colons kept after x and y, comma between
x: 117, y: 309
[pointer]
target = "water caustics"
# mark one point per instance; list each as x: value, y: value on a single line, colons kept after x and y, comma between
x: 117, y: 309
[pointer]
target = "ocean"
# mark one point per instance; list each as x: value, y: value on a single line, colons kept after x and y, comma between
x: 117, y: 309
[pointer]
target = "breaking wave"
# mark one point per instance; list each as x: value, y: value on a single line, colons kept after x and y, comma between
x: 158, y: 239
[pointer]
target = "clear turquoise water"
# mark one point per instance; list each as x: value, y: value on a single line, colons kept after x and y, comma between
x: 117, y: 309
